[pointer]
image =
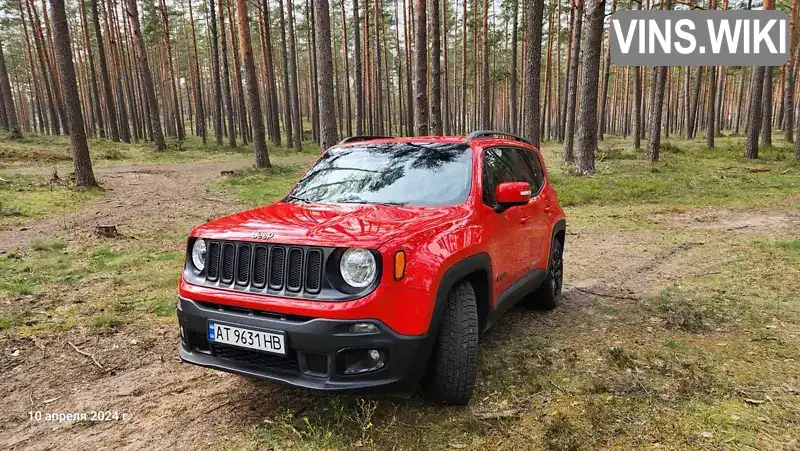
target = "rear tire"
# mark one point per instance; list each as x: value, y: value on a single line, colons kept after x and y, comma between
x: 548, y: 294
x: 454, y: 363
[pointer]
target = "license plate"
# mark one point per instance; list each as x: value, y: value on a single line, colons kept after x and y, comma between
x: 247, y: 338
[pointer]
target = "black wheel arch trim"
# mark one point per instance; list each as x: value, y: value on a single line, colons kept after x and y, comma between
x: 453, y: 274
x: 560, y: 226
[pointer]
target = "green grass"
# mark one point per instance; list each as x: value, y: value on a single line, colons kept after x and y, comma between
x: 25, y: 197
x: 262, y: 186
x: 47, y: 151
x: 53, y: 287
x: 688, y: 175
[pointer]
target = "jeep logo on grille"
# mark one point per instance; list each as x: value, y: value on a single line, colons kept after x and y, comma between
x: 263, y: 236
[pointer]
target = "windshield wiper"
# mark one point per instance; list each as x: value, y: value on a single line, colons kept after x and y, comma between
x: 297, y: 198
x: 362, y: 201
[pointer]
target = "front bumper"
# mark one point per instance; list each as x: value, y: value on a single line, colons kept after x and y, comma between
x: 315, y: 349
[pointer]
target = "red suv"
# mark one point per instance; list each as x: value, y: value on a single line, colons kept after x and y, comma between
x: 379, y: 269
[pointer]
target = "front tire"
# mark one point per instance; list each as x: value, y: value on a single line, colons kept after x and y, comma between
x: 454, y: 364
x: 548, y: 294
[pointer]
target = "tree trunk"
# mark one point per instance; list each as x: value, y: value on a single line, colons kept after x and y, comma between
x: 656, y: 111
x: 572, y: 83
x: 226, y: 81
x: 766, y: 109
x: 698, y: 82
x: 293, y: 78
x: 84, y: 176
x: 215, y: 64
x: 420, y: 69
x: 754, y: 121
x: 485, y: 120
x: 327, y: 108
x: 533, y: 62
x: 93, y: 91
x: 147, y: 77
x: 587, y: 117
x: 378, y: 101
x: 601, y: 129
x: 237, y: 72
x: 436, y: 70
x: 287, y: 100
x: 359, y: 84
x: 108, y: 98
x: 348, y: 102
x: 463, y: 121
x: 8, y: 99
x: 513, y: 101
x: 254, y: 102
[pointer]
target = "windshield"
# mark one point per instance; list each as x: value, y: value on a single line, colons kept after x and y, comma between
x: 429, y: 174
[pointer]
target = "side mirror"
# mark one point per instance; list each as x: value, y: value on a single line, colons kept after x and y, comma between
x: 510, y: 194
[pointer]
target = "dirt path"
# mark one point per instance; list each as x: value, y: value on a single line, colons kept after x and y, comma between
x: 135, y: 195
x: 168, y: 405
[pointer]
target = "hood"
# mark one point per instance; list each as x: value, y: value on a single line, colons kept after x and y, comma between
x: 336, y: 225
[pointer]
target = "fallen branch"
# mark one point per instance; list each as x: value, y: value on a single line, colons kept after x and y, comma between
x: 85, y: 354
x: 505, y: 413
x: 604, y: 295
x: 737, y: 228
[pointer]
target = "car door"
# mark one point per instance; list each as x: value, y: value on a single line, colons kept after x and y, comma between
x: 536, y: 225
x: 505, y: 229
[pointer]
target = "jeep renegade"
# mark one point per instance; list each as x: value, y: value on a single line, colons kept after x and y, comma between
x: 380, y: 268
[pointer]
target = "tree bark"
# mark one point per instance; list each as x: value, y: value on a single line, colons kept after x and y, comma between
x: 327, y: 107
x: 601, y: 129
x: 147, y: 77
x: 215, y: 64
x: 572, y: 83
x: 485, y: 120
x: 656, y: 111
x: 513, y: 101
x: 754, y: 121
x: 533, y: 62
x: 420, y: 69
x: 587, y: 117
x: 293, y: 78
x: 8, y: 99
x: 84, y: 176
x: 226, y: 81
x: 698, y: 82
x: 766, y: 109
x: 436, y: 70
x: 254, y: 102
x: 287, y: 99
x: 359, y: 84
x: 93, y: 91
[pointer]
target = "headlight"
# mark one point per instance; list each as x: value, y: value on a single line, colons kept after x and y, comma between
x: 199, y: 254
x: 358, y: 267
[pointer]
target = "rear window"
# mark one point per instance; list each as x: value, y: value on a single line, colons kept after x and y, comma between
x: 419, y: 174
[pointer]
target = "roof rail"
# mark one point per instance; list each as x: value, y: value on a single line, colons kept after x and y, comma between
x: 357, y: 138
x: 488, y: 133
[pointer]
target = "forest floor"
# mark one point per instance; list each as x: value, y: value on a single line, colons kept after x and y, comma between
x: 679, y: 326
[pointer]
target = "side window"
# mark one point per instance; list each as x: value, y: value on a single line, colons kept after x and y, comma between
x: 496, y: 170
x: 534, y: 167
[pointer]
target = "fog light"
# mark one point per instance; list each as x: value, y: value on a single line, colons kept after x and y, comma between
x: 363, y: 328
x: 359, y: 361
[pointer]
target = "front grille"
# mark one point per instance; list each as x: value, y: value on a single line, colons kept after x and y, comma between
x: 274, y: 269
x: 281, y: 364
